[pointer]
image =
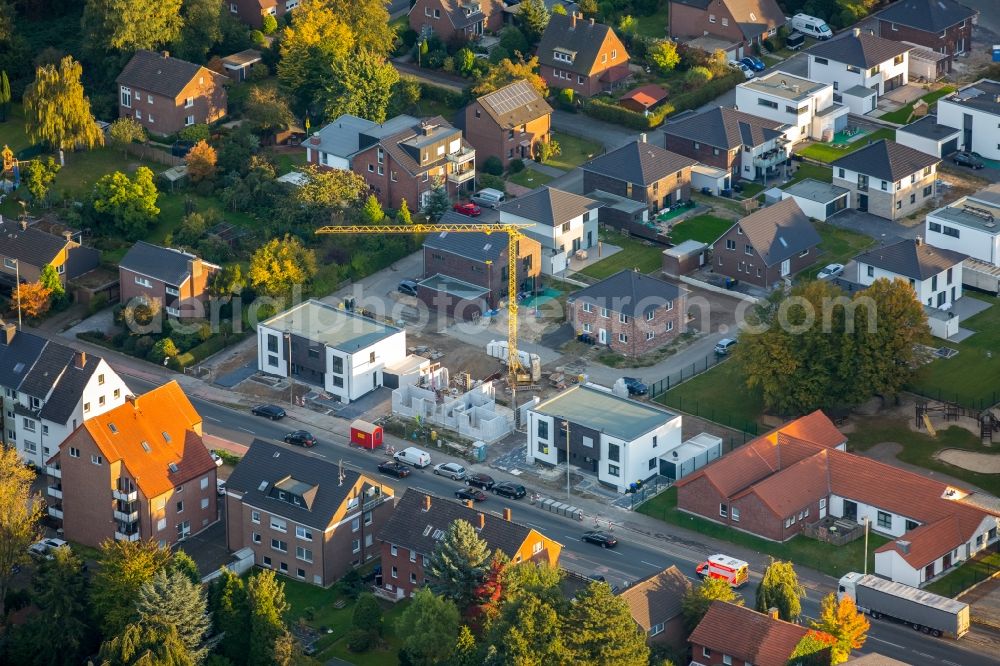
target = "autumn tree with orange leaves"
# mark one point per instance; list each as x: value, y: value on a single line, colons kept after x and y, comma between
x: 842, y: 621
x: 35, y: 299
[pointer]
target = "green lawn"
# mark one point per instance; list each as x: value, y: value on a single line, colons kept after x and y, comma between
x: 828, y: 152
x: 574, y: 151
x: 751, y: 189
x: 704, y: 228
x: 287, y: 162
x: 966, y: 575
x: 836, y: 246
x: 902, y: 115
x: 529, y: 178
x: 831, y: 560
x: 84, y: 168
x: 654, y: 25
x: 815, y: 171
x: 434, y: 107
x: 12, y: 132
x: 634, y: 254
x: 719, y: 395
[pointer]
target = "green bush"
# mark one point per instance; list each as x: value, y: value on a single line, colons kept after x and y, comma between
x: 443, y: 95
x: 613, y: 113
x: 565, y: 99
x: 492, y: 166
x: 230, y: 458
x: 409, y: 38
x: 98, y: 303
x: 143, y: 345
x: 360, y: 640
x: 707, y: 92
x: 259, y: 71
x: 516, y: 165
x: 493, y: 182
x: 195, y: 133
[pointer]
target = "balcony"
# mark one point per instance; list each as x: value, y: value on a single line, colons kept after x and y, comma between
x: 462, y: 156
x: 769, y: 159
x: 122, y: 536
x: 55, y: 491
x: 129, y: 517
x: 55, y: 471
x: 172, y: 291
x: 56, y: 512
x: 459, y: 177
x: 125, y: 495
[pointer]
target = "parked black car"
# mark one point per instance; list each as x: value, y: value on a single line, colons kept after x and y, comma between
x: 471, y: 494
x: 301, y: 438
x: 483, y: 481
x: 972, y: 160
x: 509, y: 490
x: 602, y: 539
x: 393, y: 468
x: 272, y: 412
x: 635, y: 387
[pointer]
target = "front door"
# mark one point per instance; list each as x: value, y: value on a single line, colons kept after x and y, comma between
x: 863, y: 202
x: 590, y: 239
x: 786, y: 267
x: 967, y: 131
x: 850, y: 510
x: 602, y: 336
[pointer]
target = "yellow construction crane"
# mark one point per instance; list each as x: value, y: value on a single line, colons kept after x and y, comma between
x: 514, y: 233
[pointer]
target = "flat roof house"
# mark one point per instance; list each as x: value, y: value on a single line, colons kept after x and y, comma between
x: 615, y: 438
x: 631, y: 313
x: 734, y: 24
x: 746, y: 145
x: 929, y: 136
x: 944, y: 26
x: 420, y: 521
x: 508, y: 123
x: 817, y: 199
x: 166, y: 94
x: 303, y: 516
x: 641, y: 171
x: 768, y: 245
x: 25, y: 251
x: 581, y: 55
x: 970, y: 225
x: 887, y: 178
x: 975, y: 109
x: 807, y: 107
x: 340, y: 351
x: 176, y: 279
x: 861, y: 67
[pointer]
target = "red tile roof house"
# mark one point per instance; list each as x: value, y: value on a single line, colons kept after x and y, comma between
x: 581, y: 55
x: 644, y: 98
x: 655, y: 605
x: 137, y: 472
x: 402, y: 158
x: 737, y: 636
x: 166, y: 94
x: 252, y: 12
x: 738, y: 23
x: 456, y: 20
x: 177, y: 280
x: 799, y: 473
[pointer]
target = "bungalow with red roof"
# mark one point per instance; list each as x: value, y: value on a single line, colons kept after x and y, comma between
x: 799, y: 474
x: 644, y: 98
x: 730, y: 634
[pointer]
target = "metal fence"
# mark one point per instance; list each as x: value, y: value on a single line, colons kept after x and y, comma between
x: 968, y: 402
x: 684, y: 374
x: 710, y: 413
x: 970, y: 573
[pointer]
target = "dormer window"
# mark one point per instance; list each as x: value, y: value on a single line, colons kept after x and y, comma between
x: 753, y: 17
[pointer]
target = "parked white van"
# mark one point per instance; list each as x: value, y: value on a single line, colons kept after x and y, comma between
x: 811, y: 26
x: 489, y: 197
x: 413, y: 456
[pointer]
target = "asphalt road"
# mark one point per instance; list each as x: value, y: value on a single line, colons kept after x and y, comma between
x: 635, y: 557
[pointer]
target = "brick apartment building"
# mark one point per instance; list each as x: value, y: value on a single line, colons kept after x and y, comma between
x: 768, y: 245
x: 631, y: 313
x: 303, y: 516
x: 641, y: 171
x: 455, y: 21
x: 252, y: 12
x: 944, y: 26
x: 174, y: 278
x: 580, y: 55
x: 166, y: 94
x: 508, y: 123
x: 137, y: 472
x: 420, y: 521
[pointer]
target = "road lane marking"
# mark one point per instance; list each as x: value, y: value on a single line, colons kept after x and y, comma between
x: 212, y: 418
x: 924, y: 655
x: 950, y: 663
x: 247, y: 430
x: 652, y: 565
x: 901, y: 647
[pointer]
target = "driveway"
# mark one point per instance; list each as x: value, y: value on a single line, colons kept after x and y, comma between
x: 578, y: 124
x: 877, y: 227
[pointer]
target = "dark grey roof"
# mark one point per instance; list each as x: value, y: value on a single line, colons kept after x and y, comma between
x: 928, y: 15
x: 266, y: 464
x: 17, y: 358
x: 580, y: 37
x: 478, y: 246
x: 779, y: 232
x: 863, y: 50
x: 928, y: 127
x: 167, y: 76
x: 725, y: 128
x: 32, y: 246
x: 68, y: 391
x: 911, y: 260
x: 549, y: 206
x: 47, y: 370
x: 698, y: 4
x: 640, y: 163
x: 455, y: 10
x: 628, y: 292
x: 982, y: 95
x: 515, y: 104
x: 411, y: 527
x: 886, y: 160
x: 160, y: 263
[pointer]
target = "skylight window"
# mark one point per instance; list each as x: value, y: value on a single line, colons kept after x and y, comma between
x: 113, y: 428
x: 173, y: 468
x: 145, y: 446
x: 166, y: 436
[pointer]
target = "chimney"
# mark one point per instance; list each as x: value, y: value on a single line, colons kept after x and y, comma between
x: 467, y: 503
x: 642, y: 138
x: 130, y: 399
x: 857, y: 32
x: 506, y: 515
x: 7, y: 332
x: 482, y: 518
x: 919, y: 241
x: 67, y: 234
x: 23, y: 224
x: 165, y: 54
x: 772, y: 613
x: 79, y: 360
x: 195, y: 268
x: 572, y: 21
x: 591, y: 20
x: 427, y: 502
x: 904, y: 547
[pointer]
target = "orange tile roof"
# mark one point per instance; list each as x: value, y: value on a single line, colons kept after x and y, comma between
x: 647, y: 95
x: 928, y: 542
x: 815, y: 427
x: 797, y: 486
x: 166, y: 422
x: 747, y: 635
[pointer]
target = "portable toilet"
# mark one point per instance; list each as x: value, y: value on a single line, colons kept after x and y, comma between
x: 366, y: 435
x: 479, y: 452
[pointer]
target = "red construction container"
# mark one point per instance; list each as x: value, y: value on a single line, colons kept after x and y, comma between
x: 366, y: 435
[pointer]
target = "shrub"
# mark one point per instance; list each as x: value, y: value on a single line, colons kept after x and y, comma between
x: 259, y: 71
x: 493, y: 182
x: 443, y: 95
x: 143, y: 345
x: 360, y: 640
x: 98, y: 303
x: 697, y: 76
x: 516, y: 165
x: 565, y: 99
x: 408, y: 38
x: 258, y: 38
x: 613, y: 113
x: 448, y: 64
x: 492, y: 166
x: 230, y: 458
x: 351, y: 584
x: 194, y: 133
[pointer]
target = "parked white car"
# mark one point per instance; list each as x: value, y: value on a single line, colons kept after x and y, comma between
x: 44, y: 548
x: 830, y: 271
x: 747, y: 72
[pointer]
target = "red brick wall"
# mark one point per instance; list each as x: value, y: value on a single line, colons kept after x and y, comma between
x: 933, y: 41
x: 442, y: 27
x: 489, y: 139
x: 635, y: 329
x: 249, y: 11
x: 169, y: 115
x: 741, y: 266
x: 403, y: 567
x: 602, y: 75
x: 704, y: 153
x: 687, y: 21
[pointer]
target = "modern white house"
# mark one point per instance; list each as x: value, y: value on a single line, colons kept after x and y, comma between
x: 807, y: 107
x: 975, y: 110
x: 342, y: 352
x: 860, y: 66
x: 929, y: 136
x: 562, y: 222
x: 817, y: 199
x: 49, y: 390
x: 887, y: 178
x: 970, y: 225
x: 617, y: 439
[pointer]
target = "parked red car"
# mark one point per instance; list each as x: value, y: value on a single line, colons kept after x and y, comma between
x: 470, y: 209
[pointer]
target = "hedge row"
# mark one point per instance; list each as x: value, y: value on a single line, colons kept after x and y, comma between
x: 443, y: 95
x: 199, y: 353
x: 613, y: 113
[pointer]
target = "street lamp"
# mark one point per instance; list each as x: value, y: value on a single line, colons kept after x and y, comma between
x: 565, y: 424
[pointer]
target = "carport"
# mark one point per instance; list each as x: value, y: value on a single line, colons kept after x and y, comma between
x: 927, y: 136
x: 817, y: 199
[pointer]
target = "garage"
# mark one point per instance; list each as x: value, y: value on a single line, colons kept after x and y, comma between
x: 817, y: 199
x: 928, y: 136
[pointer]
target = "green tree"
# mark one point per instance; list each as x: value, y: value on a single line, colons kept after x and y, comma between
x: 20, y: 510
x: 780, y: 588
x: 366, y: 622
x: 403, y: 216
x: 227, y: 282
x: 163, y: 349
x: 268, y: 636
x: 533, y: 579
x: 6, y: 22
x: 532, y: 16
x: 458, y: 562
x: 268, y: 109
x: 627, y: 25
x: 191, y: 229
x: 465, y: 61
x: 195, y: 133
x: 130, y: 204
x: 201, y: 30
x: 56, y: 112
x: 125, y: 566
x: 280, y: 264
x: 599, y: 629
x: 236, y: 151
x: 507, y: 71
x: 368, y: 20
x: 663, y: 54
x: 429, y: 627
x: 588, y: 7
x: 844, y: 623
x: 528, y: 634
x: 697, y: 76
x: 49, y: 278
x: 146, y: 645
x: 513, y: 41
x: 405, y: 94
x: 185, y: 565
x: 360, y: 85
x: 437, y: 202
x: 697, y: 600
x: 317, y: 37
x: 465, y: 652
x: 546, y: 150
x: 329, y: 188
x: 126, y: 26
x: 230, y: 615
x: 559, y: 9
x: 38, y: 175
x: 372, y: 212
x: 126, y: 131
x: 269, y: 24
x: 4, y: 96
x: 61, y: 595
x: 173, y: 600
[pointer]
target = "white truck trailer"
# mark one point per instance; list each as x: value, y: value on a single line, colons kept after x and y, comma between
x: 922, y: 610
